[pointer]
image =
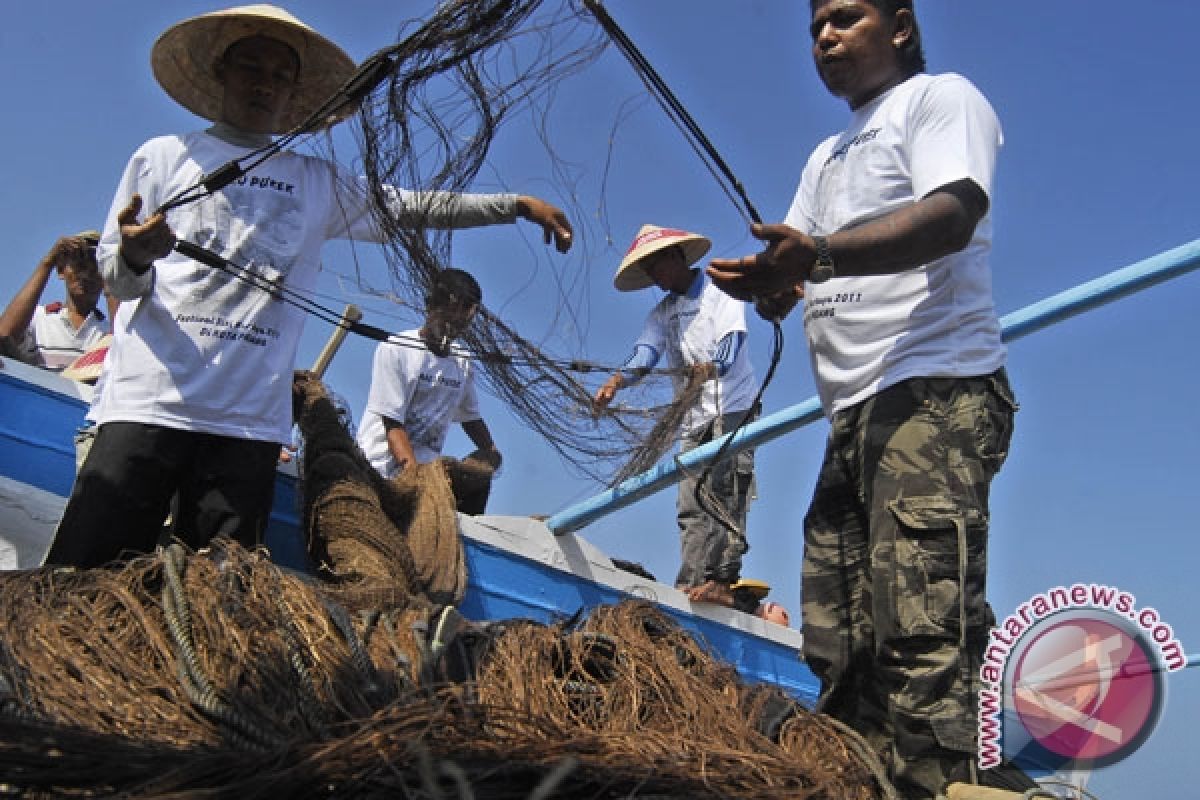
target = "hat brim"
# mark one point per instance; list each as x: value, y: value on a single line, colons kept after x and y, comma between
x: 87, y: 368
x: 184, y: 61
x: 631, y: 275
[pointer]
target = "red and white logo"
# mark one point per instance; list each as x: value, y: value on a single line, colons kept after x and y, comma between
x: 1086, y: 687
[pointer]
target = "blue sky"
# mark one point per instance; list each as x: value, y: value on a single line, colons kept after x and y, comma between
x: 1098, y: 171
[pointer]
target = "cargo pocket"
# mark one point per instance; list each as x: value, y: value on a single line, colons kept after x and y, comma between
x: 940, y: 547
x: 994, y: 433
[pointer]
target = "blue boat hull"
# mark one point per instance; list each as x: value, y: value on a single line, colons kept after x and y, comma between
x: 516, y: 567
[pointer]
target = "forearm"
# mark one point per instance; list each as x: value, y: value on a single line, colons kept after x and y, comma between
x: 640, y: 361
x: 479, y: 434
x: 399, y: 444
x: 935, y: 226
x: 454, y: 210
x: 19, y: 313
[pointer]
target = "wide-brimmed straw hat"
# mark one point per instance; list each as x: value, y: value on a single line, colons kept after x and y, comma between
x: 184, y: 60
x: 86, y: 368
x: 631, y: 275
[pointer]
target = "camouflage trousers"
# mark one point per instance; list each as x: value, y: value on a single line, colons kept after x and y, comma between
x: 895, y: 561
x: 708, y: 548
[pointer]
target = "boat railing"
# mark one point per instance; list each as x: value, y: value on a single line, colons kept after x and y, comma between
x: 1042, y: 314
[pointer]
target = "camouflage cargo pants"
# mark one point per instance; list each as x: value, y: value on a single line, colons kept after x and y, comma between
x: 895, y: 560
x: 709, y: 550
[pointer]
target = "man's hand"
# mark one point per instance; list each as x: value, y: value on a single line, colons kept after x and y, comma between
x: 786, y: 261
x: 143, y: 243
x: 778, y: 306
x: 701, y: 373
x: 552, y: 220
x: 606, y: 393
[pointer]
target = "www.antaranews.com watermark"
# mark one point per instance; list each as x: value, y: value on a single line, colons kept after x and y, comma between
x: 1078, y: 672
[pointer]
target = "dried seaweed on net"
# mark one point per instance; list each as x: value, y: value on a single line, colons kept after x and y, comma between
x: 459, y: 77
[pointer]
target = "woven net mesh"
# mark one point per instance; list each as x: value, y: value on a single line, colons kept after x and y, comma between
x: 218, y: 673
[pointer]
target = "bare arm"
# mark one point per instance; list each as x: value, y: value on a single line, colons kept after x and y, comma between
x: 937, y: 225
x: 19, y: 313
x: 485, y: 449
x: 398, y: 443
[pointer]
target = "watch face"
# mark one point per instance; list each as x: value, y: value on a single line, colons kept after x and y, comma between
x: 821, y: 272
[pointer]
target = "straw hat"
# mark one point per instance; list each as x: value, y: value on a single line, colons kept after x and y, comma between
x: 86, y: 368
x: 184, y: 59
x: 631, y: 275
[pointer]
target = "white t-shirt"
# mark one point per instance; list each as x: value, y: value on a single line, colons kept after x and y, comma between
x: 687, y: 328
x: 938, y: 320
x: 424, y: 392
x: 200, y: 350
x: 53, y: 343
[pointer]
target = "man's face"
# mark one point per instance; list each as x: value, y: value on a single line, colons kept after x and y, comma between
x: 83, y: 282
x: 855, y: 48
x: 259, y: 75
x: 444, y: 324
x: 668, y: 269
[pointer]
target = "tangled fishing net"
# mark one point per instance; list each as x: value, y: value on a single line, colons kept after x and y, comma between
x: 217, y: 673
x: 459, y: 76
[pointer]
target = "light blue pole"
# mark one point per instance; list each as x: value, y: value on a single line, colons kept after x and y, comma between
x: 1056, y: 308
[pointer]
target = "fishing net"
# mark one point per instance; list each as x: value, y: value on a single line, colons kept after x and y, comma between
x: 217, y: 673
x: 459, y: 77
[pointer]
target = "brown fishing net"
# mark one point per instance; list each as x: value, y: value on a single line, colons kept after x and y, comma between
x: 218, y: 674
x: 461, y: 75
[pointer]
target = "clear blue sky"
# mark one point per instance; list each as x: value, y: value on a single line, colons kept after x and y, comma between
x: 1098, y: 171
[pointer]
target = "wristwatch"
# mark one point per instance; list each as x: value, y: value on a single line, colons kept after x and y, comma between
x: 822, y: 268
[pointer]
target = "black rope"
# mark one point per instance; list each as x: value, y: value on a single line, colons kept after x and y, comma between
x: 700, y: 142
x: 324, y: 313
x: 670, y: 103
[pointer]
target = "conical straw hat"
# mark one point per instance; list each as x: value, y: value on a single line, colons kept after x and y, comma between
x: 184, y: 59
x: 631, y: 275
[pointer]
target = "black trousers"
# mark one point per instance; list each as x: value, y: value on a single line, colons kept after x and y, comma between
x: 125, y: 487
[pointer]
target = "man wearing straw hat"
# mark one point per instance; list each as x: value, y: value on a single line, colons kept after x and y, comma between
x: 197, y: 392
x: 701, y: 331
x: 54, y: 335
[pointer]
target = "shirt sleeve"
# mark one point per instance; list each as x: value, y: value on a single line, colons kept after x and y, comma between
x: 727, y: 351
x: 468, y: 405
x: 431, y: 209
x: 392, y: 381
x: 121, y: 281
x: 954, y: 135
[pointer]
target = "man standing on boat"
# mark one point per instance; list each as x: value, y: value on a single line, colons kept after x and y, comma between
x: 888, y: 242
x: 197, y: 395
x: 421, y: 382
x: 701, y: 331
x: 54, y: 335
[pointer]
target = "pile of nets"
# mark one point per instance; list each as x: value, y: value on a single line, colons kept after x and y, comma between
x: 218, y: 673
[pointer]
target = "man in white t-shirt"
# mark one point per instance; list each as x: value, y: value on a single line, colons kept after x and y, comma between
x: 421, y: 383
x: 55, y: 335
x: 702, y: 333
x: 197, y: 385
x: 888, y: 243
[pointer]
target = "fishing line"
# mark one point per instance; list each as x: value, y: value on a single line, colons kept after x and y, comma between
x: 729, y: 182
x: 298, y: 300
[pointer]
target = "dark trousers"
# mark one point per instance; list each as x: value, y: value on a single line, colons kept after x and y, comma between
x: 124, y: 490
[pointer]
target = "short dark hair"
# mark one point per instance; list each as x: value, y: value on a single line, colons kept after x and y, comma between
x: 912, y: 55
x: 453, y: 286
